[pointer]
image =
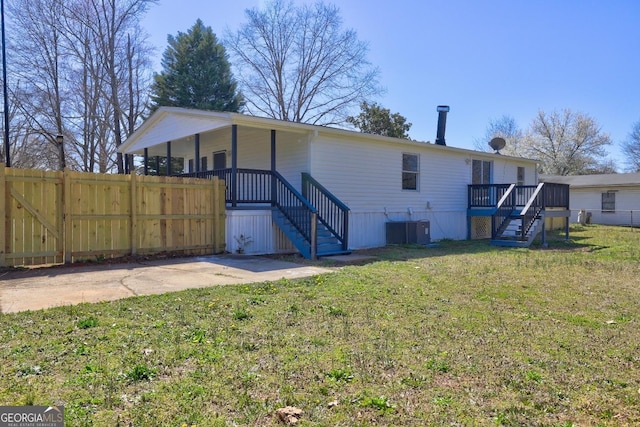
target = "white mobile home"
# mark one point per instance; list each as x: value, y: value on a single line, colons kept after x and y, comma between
x: 355, y: 183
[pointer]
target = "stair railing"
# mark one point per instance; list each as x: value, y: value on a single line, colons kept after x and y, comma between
x: 504, y: 209
x: 297, y: 210
x: 331, y: 211
x: 531, y: 210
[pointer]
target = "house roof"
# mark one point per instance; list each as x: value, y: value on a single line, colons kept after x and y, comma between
x: 601, y: 180
x: 174, y: 123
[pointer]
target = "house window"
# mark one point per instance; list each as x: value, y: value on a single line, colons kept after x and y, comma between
x: 609, y: 201
x: 219, y: 160
x: 191, y: 169
x: 203, y: 163
x: 410, y: 171
x: 481, y: 173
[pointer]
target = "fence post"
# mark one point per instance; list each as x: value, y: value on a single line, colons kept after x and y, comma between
x: 67, y: 221
x: 133, y: 219
x: 3, y: 216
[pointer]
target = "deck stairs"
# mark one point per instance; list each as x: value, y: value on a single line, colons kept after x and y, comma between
x: 510, y: 232
x: 327, y: 243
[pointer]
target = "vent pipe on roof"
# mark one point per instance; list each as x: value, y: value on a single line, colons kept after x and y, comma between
x: 442, y: 123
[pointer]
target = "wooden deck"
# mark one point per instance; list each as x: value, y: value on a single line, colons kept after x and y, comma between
x: 518, y: 212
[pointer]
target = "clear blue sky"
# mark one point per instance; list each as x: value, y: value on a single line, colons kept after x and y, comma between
x: 483, y: 58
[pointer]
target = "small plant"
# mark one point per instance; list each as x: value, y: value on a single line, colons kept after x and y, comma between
x: 336, y: 311
x: 89, y: 322
x: 340, y: 375
x: 198, y: 336
x: 414, y: 381
x: 242, y: 241
x: 533, y: 376
x: 241, y: 314
x: 437, y: 365
x: 380, y: 403
x: 141, y: 373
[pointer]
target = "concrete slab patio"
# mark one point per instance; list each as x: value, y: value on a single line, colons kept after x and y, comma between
x: 35, y: 289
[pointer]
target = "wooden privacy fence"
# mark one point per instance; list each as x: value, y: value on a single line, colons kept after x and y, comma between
x: 53, y: 217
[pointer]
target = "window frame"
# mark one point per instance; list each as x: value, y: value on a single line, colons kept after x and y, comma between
x: 611, y: 204
x: 483, y: 164
x: 414, y: 174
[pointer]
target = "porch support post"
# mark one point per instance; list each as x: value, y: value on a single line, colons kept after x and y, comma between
x: 168, y: 158
x: 273, y: 167
x: 197, y: 156
x: 158, y: 165
x: 273, y: 150
x: 234, y: 165
x: 146, y: 161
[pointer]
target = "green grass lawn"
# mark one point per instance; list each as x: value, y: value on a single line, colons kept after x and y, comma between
x: 461, y: 334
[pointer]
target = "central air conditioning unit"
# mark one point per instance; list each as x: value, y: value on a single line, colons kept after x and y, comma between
x: 405, y: 232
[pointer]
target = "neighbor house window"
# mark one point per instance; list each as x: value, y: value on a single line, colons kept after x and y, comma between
x: 481, y: 173
x: 520, y: 175
x: 520, y: 180
x: 609, y: 201
x: 410, y: 171
x: 219, y: 160
x: 191, y: 169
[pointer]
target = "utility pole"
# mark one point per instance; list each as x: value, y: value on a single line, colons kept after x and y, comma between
x: 7, y: 155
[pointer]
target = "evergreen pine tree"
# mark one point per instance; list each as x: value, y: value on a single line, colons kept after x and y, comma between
x: 196, y: 73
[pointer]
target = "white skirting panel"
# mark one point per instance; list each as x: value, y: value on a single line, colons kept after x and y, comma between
x: 368, y: 230
x: 254, y: 232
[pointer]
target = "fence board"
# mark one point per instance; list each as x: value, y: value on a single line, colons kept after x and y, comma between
x: 53, y: 217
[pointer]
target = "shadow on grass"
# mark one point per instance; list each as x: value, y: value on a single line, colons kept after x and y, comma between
x: 556, y: 240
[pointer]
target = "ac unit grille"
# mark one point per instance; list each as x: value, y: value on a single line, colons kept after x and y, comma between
x: 404, y: 232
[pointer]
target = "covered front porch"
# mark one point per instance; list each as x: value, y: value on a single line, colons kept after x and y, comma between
x: 515, y: 215
x: 264, y: 166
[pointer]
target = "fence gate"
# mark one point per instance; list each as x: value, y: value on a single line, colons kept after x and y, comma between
x: 32, y: 232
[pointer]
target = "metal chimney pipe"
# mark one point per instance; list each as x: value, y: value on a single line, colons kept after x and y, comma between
x: 442, y: 123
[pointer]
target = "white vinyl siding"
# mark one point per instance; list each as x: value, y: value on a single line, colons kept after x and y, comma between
x: 627, y: 205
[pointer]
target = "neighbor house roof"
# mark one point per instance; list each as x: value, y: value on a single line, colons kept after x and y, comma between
x: 174, y: 123
x: 601, y: 180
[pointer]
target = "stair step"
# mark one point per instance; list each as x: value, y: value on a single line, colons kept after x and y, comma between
x: 326, y: 243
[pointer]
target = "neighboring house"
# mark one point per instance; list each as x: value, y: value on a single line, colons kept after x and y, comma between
x: 282, y: 175
x: 611, y: 199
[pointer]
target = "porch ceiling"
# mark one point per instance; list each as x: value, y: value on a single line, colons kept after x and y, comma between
x: 164, y: 127
x: 184, y: 147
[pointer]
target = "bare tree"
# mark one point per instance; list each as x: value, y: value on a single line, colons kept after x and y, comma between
x: 29, y: 149
x: 631, y: 148
x: 298, y: 64
x: 39, y: 67
x: 504, y: 127
x: 82, y: 71
x: 566, y: 143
